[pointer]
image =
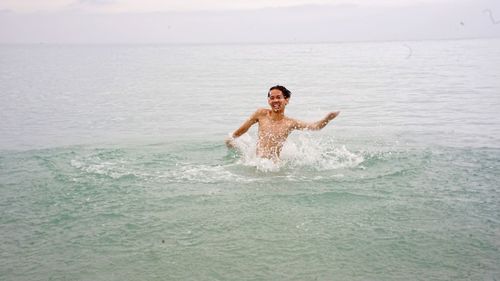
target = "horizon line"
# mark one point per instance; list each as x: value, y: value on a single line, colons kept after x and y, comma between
x: 253, y: 42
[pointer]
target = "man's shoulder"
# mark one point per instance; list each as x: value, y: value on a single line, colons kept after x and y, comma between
x: 292, y: 123
x: 262, y: 111
x: 290, y: 120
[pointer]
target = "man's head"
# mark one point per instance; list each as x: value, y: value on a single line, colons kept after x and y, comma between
x: 278, y: 97
x: 286, y: 93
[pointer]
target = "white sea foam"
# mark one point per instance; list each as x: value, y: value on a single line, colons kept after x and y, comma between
x: 319, y: 153
x: 110, y: 169
x: 303, y: 151
x: 200, y: 174
x: 303, y: 154
x: 181, y: 172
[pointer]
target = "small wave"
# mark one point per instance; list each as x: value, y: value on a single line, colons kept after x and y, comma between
x: 110, y: 169
x: 178, y: 173
x: 200, y: 174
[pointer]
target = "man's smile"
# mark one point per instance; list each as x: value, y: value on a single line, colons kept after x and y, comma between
x: 276, y: 106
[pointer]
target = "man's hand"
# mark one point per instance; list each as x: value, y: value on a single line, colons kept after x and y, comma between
x: 332, y: 115
x: 230, y: 142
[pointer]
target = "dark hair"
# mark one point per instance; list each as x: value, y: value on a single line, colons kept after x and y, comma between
x: 285, y: 91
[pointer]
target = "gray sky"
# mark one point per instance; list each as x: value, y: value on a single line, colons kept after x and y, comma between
x: 234, y: 21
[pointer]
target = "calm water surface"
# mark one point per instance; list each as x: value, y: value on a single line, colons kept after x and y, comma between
x: 113, y: 167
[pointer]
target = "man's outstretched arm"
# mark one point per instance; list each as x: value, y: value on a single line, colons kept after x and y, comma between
x: 243, y: 128
x: 318, y: 125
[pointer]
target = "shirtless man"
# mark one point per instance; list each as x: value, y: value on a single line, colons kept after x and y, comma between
x: 274, y: 126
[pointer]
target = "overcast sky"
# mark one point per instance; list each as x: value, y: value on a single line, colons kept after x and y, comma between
x: 234, y: 21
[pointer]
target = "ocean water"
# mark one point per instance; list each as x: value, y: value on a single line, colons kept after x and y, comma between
x: 113, y: 165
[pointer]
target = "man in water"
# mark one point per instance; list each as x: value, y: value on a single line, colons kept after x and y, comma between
x: 274, y: 126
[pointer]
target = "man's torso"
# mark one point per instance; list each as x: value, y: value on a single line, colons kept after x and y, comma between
x: 272, y: 135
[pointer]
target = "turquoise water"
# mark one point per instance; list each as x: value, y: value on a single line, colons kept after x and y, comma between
x: 113, y: 167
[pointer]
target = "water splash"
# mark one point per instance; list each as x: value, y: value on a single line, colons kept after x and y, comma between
x: 303, y: 151
x: 305, y: 156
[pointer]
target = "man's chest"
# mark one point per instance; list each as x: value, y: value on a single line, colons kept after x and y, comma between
x: 272, y: 128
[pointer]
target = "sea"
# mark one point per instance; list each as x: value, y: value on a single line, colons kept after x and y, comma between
x: 113, y: 164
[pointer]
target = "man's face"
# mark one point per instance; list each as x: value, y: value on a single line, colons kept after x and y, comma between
x: 277, y: 100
